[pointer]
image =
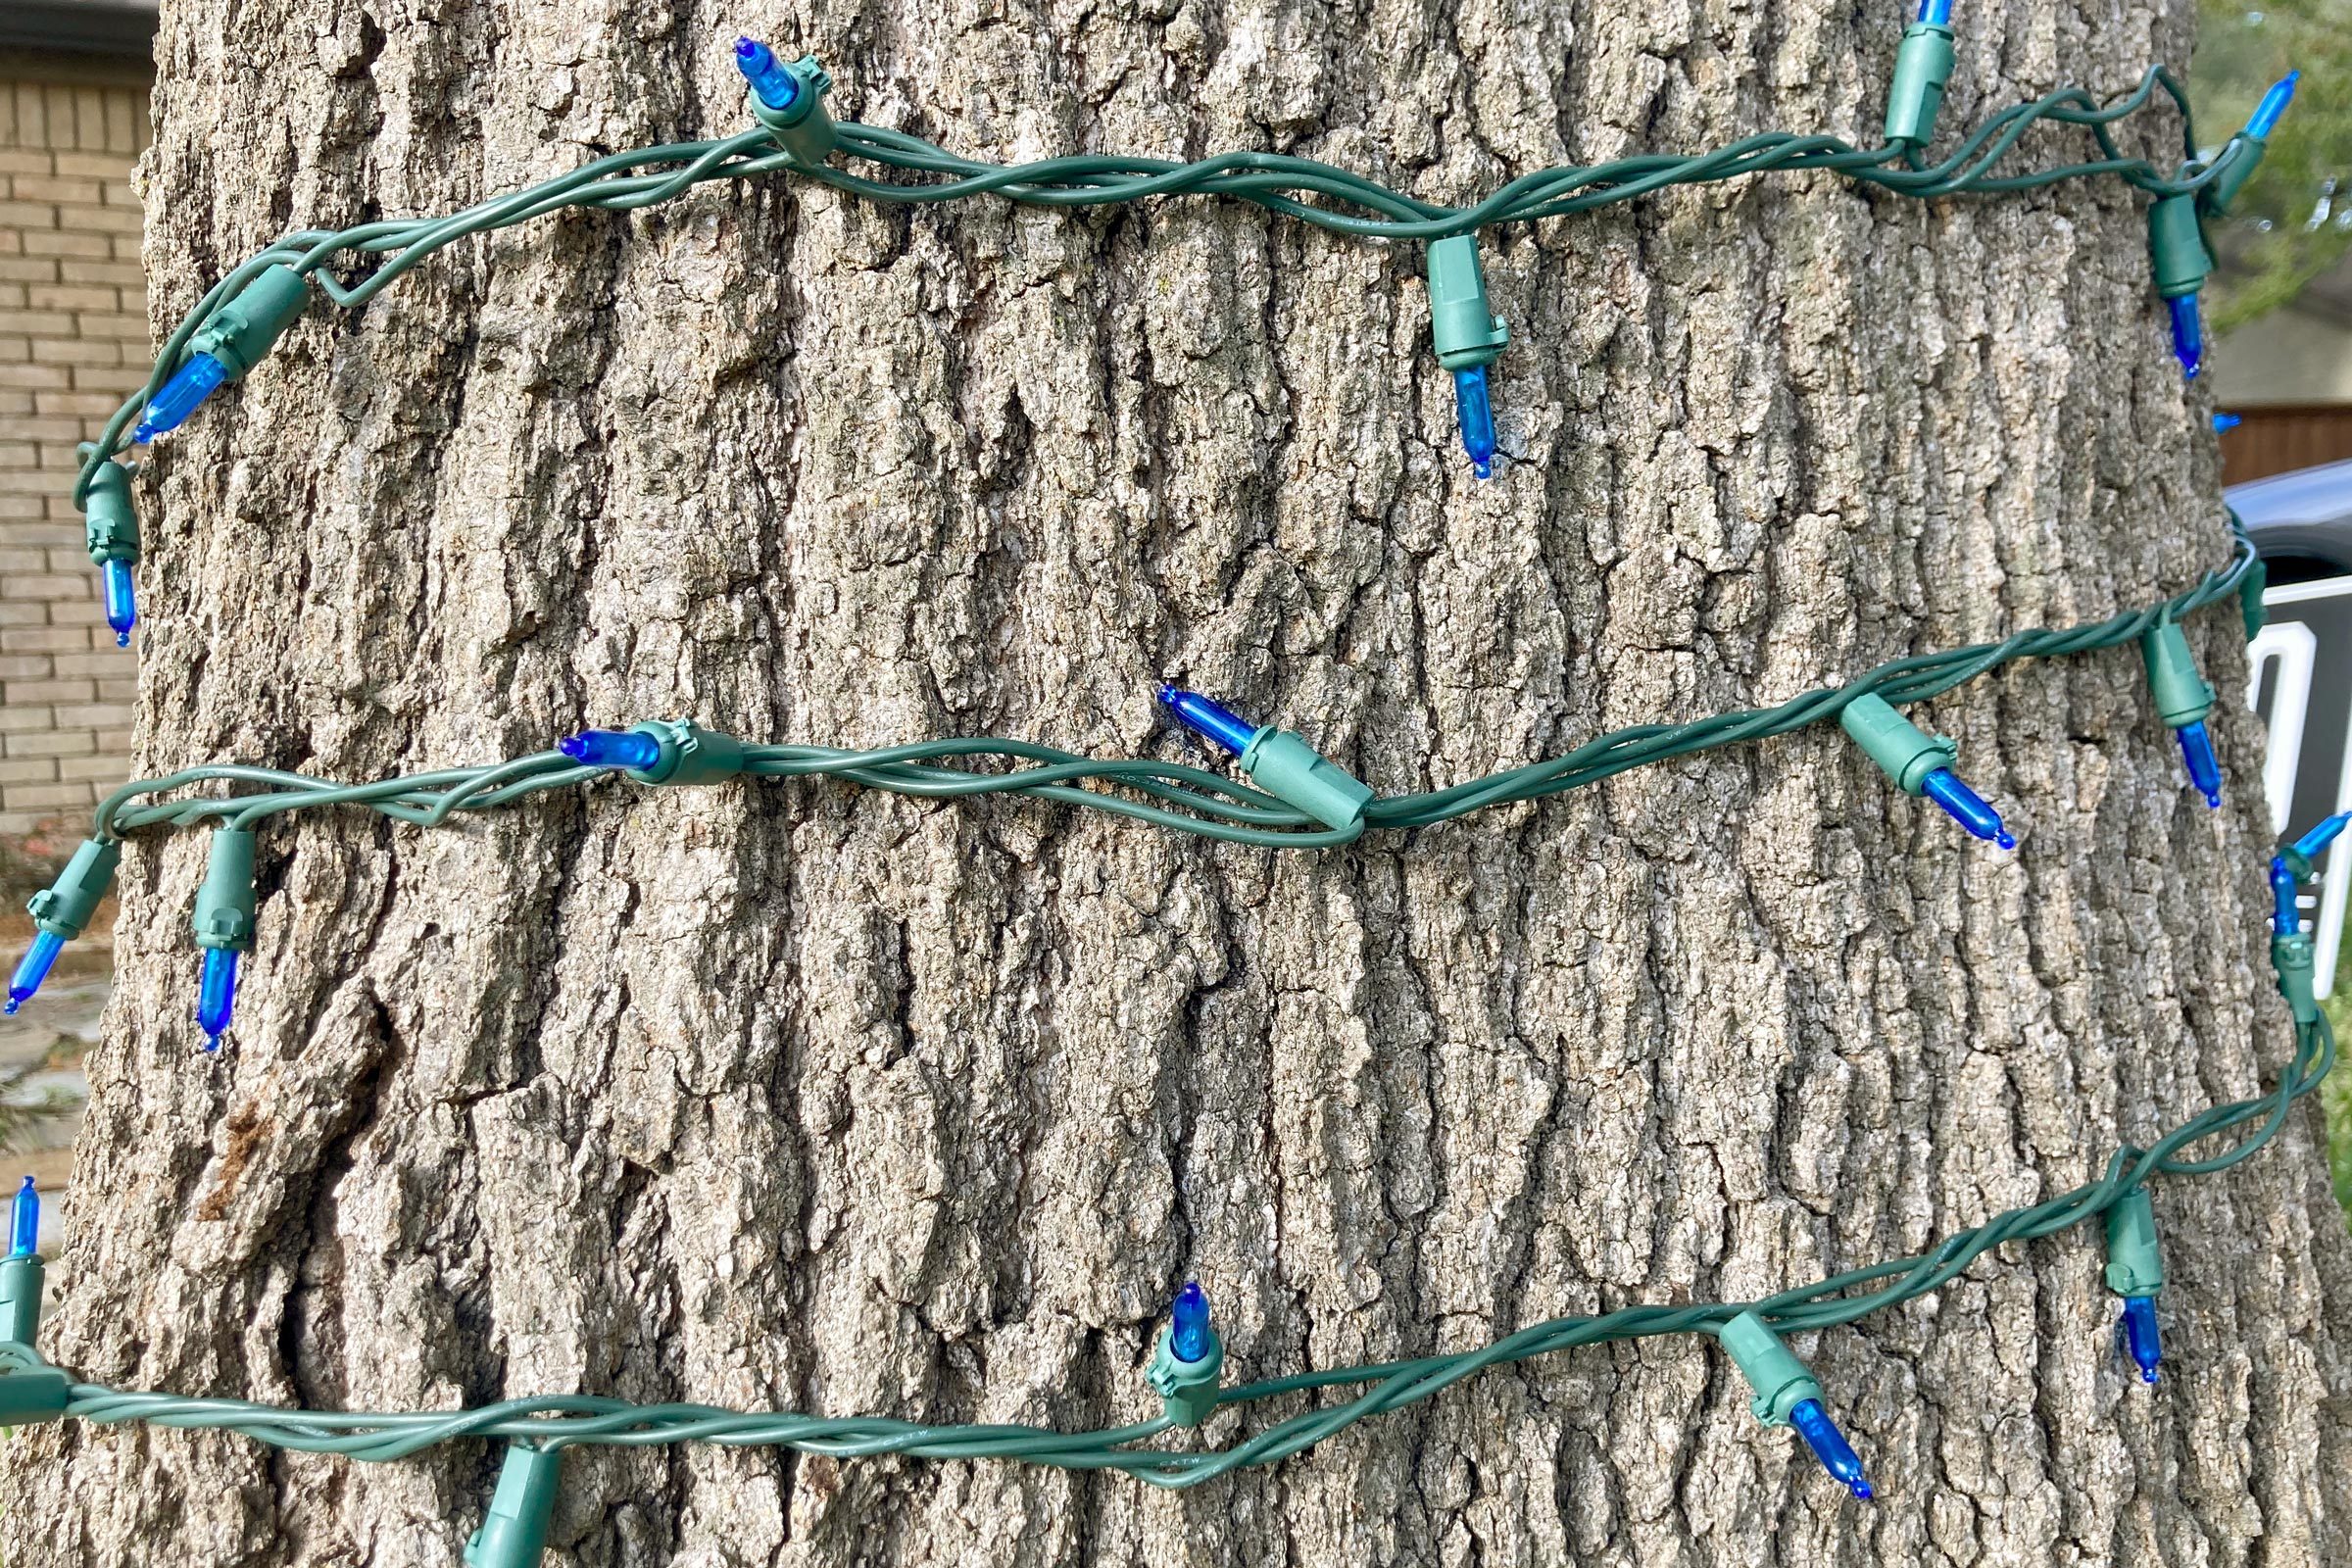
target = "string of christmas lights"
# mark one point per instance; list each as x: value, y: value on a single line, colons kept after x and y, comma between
x: 1293, y: 797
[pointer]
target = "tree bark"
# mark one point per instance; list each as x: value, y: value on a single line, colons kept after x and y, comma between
x: 813, y: 1098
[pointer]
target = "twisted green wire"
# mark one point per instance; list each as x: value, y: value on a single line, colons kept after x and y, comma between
x: 1311, y: 191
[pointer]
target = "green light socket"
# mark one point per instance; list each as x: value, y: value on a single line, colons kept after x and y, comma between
x: 65, y: 907
x: 109, y: 522
x: 690, y: 754
x: 2250, y: 608
x: 1780, y: 1380
x: 2177, y: 246
x: 2133, y: 1265
x: 2296, y: 966
x: 2234, y: 166
x: 20, y: 1282
x: 803, y: 128
x: 1281, y: 764
x: 514, y: 1533
x: 1465, y: 332
x: 1922, y: 68
x: 2181, y: 695
x: 28, y: 1397
x: 1906, y: 753
x: 225, y: 902
x: 1187, y: 1390
x: 250, y: 325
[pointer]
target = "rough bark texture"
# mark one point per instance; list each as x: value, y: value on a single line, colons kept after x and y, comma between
x: 813, y: 1098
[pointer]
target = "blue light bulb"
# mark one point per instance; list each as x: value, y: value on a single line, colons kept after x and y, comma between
x: 2287, y: 917
x: 25, y: 1222
x: 33, y: 968
x: 2273, y: 104
x: 189, y: 386
x: 1828, y: 1445
x: 216, y: 994
x: 122, y: 600
x: 769, y: 79
x: 1935, y: 12
x: 2135, y: 1334
x: 1209, y: 718
x: 2204, y: 769
x: 611, y: 747
x: 2189, y: 334
x: 2227, y: 421
x: 1966, y: 806
x: 1477, y: 418
x: 1188, y: 1334
x: 2312, y: 845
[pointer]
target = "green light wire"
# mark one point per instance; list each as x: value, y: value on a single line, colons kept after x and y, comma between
x: 1303, y: 188
x: 570, y: 1420
x: 1186, y: 798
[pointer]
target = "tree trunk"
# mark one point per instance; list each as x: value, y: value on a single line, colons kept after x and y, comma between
x: 813, y: 1098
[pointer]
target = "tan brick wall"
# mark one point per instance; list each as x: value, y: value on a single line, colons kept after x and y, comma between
x: 73, y: 346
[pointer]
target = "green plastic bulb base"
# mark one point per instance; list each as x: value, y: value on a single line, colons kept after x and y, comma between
x: 2238, y: 159
x: 2296, y: 966
x: 690, y: 754
x: 248, y: 326
x: 1187, y: 1389
x: 2250, y: 589
x: 1771, y: 1368
x: 1466, y: 332
x: 2133, y: 1265
x: 110, y: 522
x: 29, y: 1398
x: 2177, y: 246
x: 803, y: 128
x: 21, y: 1280
x: 2181, y: 695
x: 65, y: 907
x: 1281, y: 764
x: 514, y: 1533
x: 1906, y: 753
x: 225, y: 902
x: 1922, y: 68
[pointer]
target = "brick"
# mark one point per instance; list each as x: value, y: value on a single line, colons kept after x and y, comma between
x: 37, y: 587
x: 98, y: 715
x: 36, y: 188
x: 43, y: 639
x: 15, y: 561
x: 34, y: 215
x: 50, y: 241
x: 35, y: 376
x: 37, y: 323
x: 110, y: 662
x: 47, y: 691
x: 17, y: 619
x: 108, y: 324
x: 40, y: 797
x: 128, y: 276
x: 75, y: 297
x: 53, y: 742
x: 120, y: 688
x: 19, y: 718
x: 81, y: 610
x: 28, y: 770
x: 25, y: 666
x: 83, y: 406
x: 84, y: 217
x: 36, y: 268
x: 106, y: 766
x: 28, y: 161
x: 90, y: 166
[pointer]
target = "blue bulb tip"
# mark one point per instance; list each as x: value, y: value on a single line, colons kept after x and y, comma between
x: 216, y: 994
x: 2312, y: 844
x: 2287, y: 917
x: 2136, y: 1331
x: 768, y: 78
x: 1967, y: 807
x: 34, y: 967
x: 2204, y: 768
x: 2227, y: 421
x: 2189, y: 334
x: 1829, y: 1446
x: 2265, y: 118
x: 25, y: 1222
x: 122, y: 599
x: 1475, y: 413
x: 1209, y: 718
x: 1188, y: 1330
x: 189, y: 386
x: 611, y: 747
